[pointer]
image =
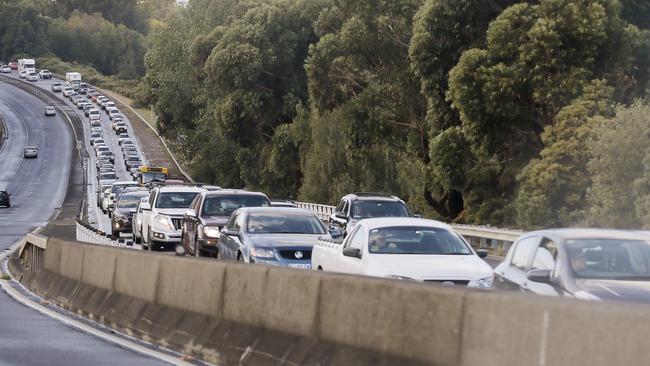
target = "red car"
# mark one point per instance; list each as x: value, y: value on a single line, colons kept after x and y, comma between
x: 13, y: 66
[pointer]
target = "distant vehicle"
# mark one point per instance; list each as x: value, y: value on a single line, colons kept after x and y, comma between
x: 83, y: 88
x: 13, y: 65
x: 588, y: 264
x: 5, y: 198
x: 162, y: 216
x: 30, y: 152
x: 56, y: 87
x: 150, y: 174
x: 73, y: 79
x: 132, y: 162
x: 5, y: 69
x: 50, y: 111
x: 93, y: 114
x: 32, y: 76
x: 67, y: 91
x: 108, y: 154
x: 209, y: 213
x: 45, y: 74
x: 95, y: 122
x: 404, y: 248
x: 23, y: 74
x: 124, y: 210
x: 271, y: 235
x: 106, y: 178
x: 87, y: 108
x: 114, y: 113
x: 104, y: 189
x: 108, y: 104
x: 26, y: 64
x: 108, y: 202
x: 357, y: 206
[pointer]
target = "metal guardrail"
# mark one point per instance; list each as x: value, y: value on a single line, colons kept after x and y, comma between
x: 87, y: 234
x: 498, y: 240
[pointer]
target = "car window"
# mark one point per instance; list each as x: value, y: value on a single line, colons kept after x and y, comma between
x: 545, y: 255
x: 357, y: 240
x: 523, y: 251
x: 231, y: 222
x: 339, y: 208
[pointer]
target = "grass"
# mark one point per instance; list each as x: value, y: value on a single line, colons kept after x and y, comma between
x: 5, y: 277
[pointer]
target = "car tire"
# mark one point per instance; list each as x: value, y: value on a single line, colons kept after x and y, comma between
x: 240, y: 258
x: 150, y: 242
x: 137, y: 239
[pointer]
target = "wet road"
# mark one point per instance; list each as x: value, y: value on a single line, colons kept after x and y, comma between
x: 38, y: 187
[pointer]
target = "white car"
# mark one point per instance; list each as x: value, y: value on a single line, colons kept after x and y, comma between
x: 67, y: 91
x: 45, y: 74
x: 30, y: 152
x: 5, y: 69
x: 404, y: 248
x: 162, y: 216
x: 22, y: 74
x: 136, y: 222
x: 32, y: 76
x: 50, y: 111
x: 93, y: 114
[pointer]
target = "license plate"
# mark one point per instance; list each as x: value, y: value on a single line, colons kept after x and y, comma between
x: 300, y: 265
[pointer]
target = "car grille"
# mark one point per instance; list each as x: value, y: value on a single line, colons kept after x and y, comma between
x: 291, y: 254
x: 445, y: 282
x: 177, y: 221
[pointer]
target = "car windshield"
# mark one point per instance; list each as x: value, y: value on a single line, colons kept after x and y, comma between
x: 117, y: 187
x: 609, y: 259
x: 416, y: 240
x: 131, y: 200
x: 224, y: 205
x: 288, y: 223
x: 108, y: 176
x: 367, y: 209
x: 175, y: 199
x: 150, y: 177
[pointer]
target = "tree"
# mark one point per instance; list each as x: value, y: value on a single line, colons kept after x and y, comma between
x: 23, y: 30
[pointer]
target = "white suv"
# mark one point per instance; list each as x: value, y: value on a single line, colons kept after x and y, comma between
x: 161, y: 217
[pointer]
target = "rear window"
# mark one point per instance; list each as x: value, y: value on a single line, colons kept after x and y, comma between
x: 224, y: 205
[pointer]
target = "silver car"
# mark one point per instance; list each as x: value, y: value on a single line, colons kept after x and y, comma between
x: 277, y: 236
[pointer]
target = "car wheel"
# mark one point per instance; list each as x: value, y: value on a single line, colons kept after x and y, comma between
x: 240, y: 258
x: 150, y: 243
x: 136, y: 239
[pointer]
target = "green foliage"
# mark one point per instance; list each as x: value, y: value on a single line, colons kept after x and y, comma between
x: 23, y: 29
x: 619, y: 165
x: 553, y: 188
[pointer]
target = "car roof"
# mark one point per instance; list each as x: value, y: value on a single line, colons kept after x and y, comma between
x: 230, y: 192
x: 276, y: 210
x: 592, y: 233
x: 376, y: 223
x: 369, y: 196
x: 180, y: 189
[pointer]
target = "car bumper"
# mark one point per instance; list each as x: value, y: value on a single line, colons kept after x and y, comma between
x: 301, y: 264
x: 208, y: 245
x: 165, y: 237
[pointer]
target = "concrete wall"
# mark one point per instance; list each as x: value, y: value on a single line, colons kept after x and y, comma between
x: 226, y: 313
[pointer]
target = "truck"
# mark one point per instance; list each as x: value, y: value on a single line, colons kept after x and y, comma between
x: 73, y: 79
x: 27, y: 64
x: 404, y: 248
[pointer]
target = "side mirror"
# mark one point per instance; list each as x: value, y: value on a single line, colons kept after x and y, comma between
x: 230, y: 232
x: 145, y: 206
x: 482, y: 253
x: 341, y: 216
x: 190, y: 213
x: 539, y: 275
x: 417, y: 216
x: 336, y: 233
x: 352, y: 252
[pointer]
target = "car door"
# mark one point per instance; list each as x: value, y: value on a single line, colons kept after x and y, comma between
x: 354, y: 265
x: 227, y: 246
x: 512, y: 275
x: 190, y: 223
x: 545, y: 257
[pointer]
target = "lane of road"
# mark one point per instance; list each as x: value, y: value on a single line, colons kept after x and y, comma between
x: 38, y: 188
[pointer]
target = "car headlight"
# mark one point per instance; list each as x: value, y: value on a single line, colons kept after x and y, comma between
x: 262, y: 253
x: 211, y: 231
x: 484, y: 283
x: 164, y: 222
x: 403, y: 278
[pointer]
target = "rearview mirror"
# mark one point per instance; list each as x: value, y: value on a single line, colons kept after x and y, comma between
x: 482, y: 253
x: 539, y: 275
x: 352, y: 252
x: 231, y: 232
x: 340, y: 216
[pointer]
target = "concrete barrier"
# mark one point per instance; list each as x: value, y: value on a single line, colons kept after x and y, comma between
x: 235, y: 314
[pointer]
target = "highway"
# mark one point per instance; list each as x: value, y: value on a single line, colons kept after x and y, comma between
x: 38, y: 188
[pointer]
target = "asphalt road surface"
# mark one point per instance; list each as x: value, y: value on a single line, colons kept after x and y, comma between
x: 38, y: 187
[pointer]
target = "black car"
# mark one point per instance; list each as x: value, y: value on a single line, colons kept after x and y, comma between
x: 208, y: 214
x: 588, y: 264
x: 126, y: 203
x: 4, y: 198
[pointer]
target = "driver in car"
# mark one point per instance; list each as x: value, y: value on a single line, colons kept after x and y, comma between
x: 578, y: 260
